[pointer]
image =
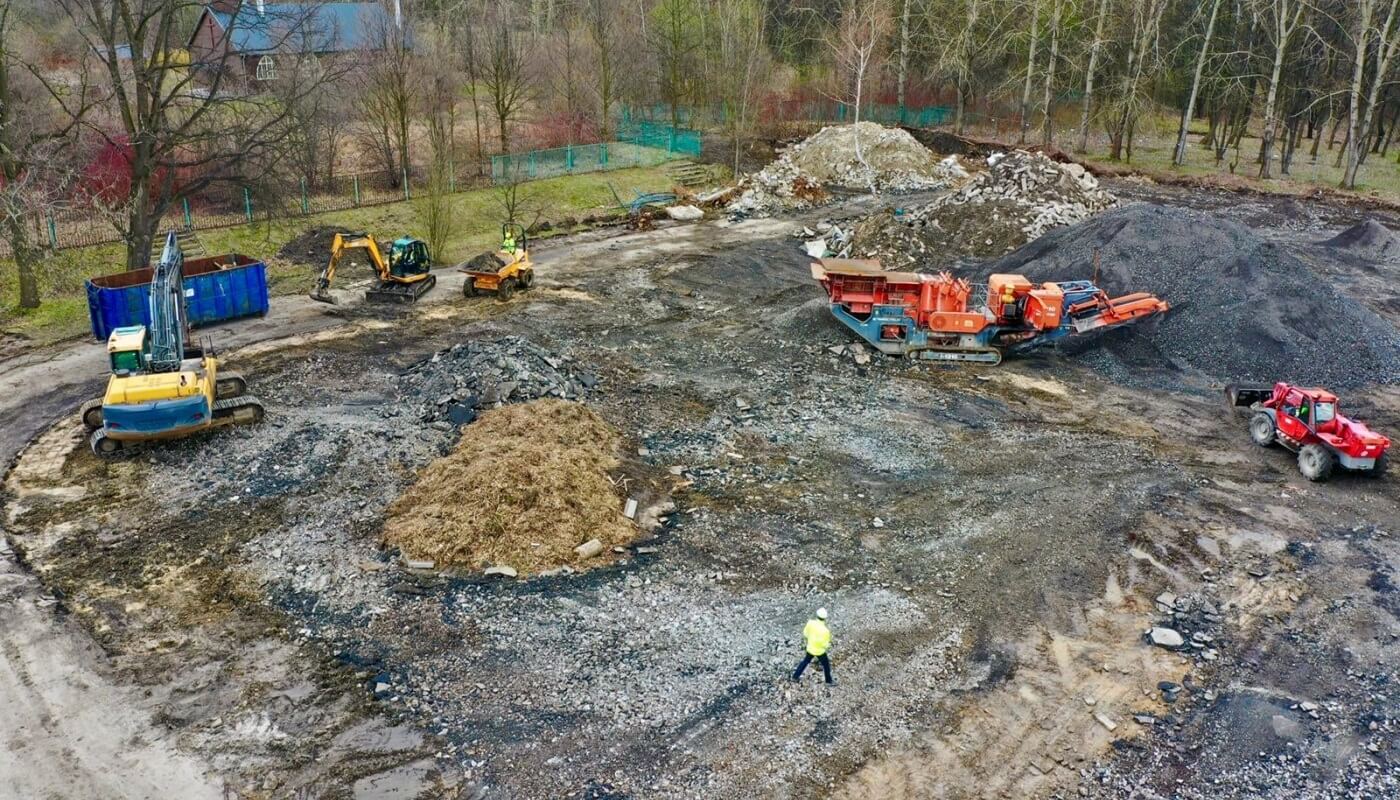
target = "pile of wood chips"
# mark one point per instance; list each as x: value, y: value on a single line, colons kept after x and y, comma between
x: 526, y: 485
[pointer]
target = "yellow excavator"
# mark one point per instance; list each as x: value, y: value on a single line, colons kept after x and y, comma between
x: 403, y: 277
x: 160, y: 386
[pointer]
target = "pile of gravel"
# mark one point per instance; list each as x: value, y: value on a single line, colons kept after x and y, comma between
x: 454, y: 383
x: 890, y: 160
x: 1242, y: 308
x: 1368, y: 240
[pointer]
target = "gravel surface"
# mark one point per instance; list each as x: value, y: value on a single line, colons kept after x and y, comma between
x: 1243, y: 309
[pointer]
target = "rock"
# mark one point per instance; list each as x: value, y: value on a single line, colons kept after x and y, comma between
x: 1285, y: 727
x: 502, y: 570
x: 1166, y: 599
x: 629, y: 509
x: 677, y: 470
x: 589, y: 549
x: 684, y: 213
x: 1144, y: 719
x: 1308, y: 705
x: 1165, y: 637
x: 877, y: 522
x: 1105, y: 721
x: 418, y: 563
x: 862, y: 357
x: 646, y: 550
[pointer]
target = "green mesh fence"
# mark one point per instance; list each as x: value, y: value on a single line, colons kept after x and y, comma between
x: 582, y: 158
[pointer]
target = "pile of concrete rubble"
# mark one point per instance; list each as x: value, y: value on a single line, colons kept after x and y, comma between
x: 889, y: 160
x: 1050, y: 194
x: 477, y: 375
x: 1018, y: 199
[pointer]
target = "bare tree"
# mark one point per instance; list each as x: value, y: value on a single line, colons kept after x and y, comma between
x: 675, y: 37
x: 1034, y: 6
x: 1144, y: 27
x: 178, y: 137
x: 967, y: 36
x: 1047, y: 127
x: 1361, y: 117
x: 1281, y: 19
x: 1090, y: 71
x: 902, y: 75
x: 1179, y: 154
x: 601, y: 24
x: 740, y: 30
x: 389, y: 94
x: 35, y: 139
x: 505, y: 73
x: 855, y: 44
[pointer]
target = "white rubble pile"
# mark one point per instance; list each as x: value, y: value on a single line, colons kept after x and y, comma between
x: 890, y: 160
x: 1051, y: 194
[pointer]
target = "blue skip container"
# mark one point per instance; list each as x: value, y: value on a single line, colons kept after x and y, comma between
x: 217, y: 288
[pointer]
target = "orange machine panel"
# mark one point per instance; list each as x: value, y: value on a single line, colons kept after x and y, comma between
x: 1045, y: 307
x: 956, y: 322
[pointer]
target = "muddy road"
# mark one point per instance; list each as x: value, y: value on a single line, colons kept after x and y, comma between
x: 992, y: 545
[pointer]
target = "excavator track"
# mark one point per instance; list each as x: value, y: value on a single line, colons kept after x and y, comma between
x: 91, y: 414
x: 243, y: 410
x: 230, y: 385
x: 389, y: 292
x: 102, y: 445
x: 960, y: 355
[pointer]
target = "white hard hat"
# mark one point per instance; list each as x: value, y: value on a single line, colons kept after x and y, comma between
x: 821, y: 613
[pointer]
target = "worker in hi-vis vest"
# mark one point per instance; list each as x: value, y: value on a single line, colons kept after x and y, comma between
x: 818, y: 639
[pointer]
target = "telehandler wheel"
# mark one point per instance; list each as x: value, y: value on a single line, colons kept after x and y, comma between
x: 1316, y: 462
x: 1261, y: 429
x: 506, y: 289
x: 91, y: 412
x: 527, y: 279
x: 469, y: 287
x: 1378, y: 469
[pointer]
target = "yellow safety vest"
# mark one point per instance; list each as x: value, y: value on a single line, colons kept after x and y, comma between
x: 818, y: 637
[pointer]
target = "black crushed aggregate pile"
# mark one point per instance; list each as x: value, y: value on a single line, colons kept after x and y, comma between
x: 1243, y: 309
x: 1367, y: 240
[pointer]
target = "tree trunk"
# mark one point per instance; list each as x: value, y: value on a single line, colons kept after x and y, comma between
x: 1266, y: 147
x: 1358, y: 71
x: 1389, y: 39
x: 1179, y: 155
x: 903, y: 75
x: 1046, y: 124
x: 1088, y: 103
x: 1030, y: 72
x: 26, y: 260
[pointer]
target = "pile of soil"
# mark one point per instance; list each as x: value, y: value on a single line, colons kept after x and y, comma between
x: 893, y: 161
x: 1020, y: 197
x: 525, y: 485
x: 312, y: 246
x: 1242, y: 308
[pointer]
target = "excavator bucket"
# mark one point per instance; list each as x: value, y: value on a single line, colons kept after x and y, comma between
x: 322, y: 293
x: 1247, y: 394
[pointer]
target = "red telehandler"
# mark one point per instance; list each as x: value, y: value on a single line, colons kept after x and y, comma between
x: 1306, y: 421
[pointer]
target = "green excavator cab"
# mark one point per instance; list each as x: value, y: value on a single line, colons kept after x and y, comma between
x: 408, y: 256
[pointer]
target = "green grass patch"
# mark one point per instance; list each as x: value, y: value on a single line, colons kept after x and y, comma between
x: 477, y: 213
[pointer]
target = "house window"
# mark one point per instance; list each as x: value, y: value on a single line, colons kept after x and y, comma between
x: 267, y: 70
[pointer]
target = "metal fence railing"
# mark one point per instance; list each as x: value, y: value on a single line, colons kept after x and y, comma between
x: 578, y: 158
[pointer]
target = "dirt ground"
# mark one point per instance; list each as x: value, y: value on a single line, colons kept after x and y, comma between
x: 992, y: 545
